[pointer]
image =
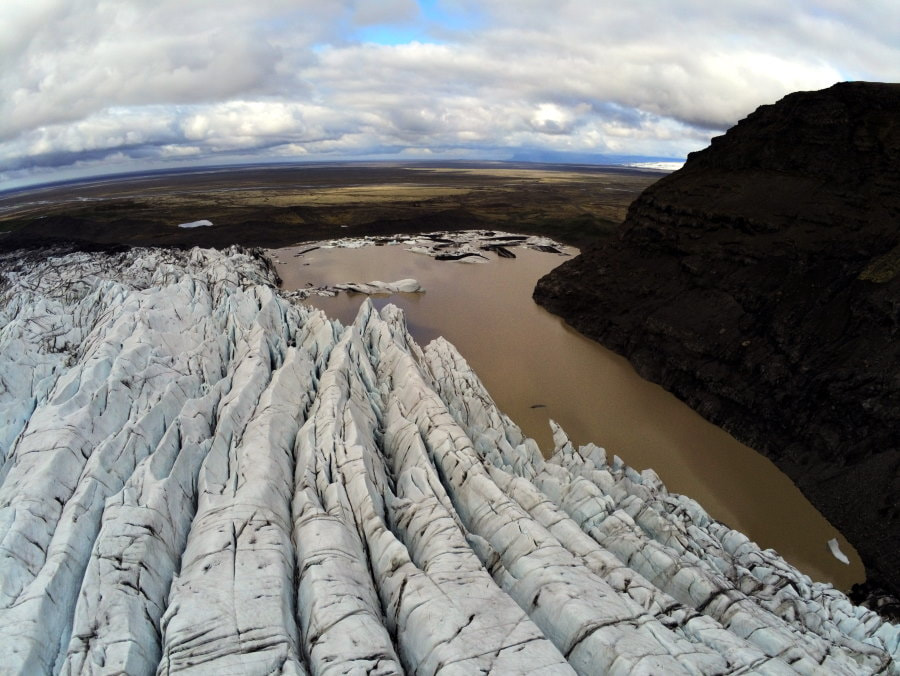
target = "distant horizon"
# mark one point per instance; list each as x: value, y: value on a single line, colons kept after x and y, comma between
x: 633, y: 162
x: 99, y: 88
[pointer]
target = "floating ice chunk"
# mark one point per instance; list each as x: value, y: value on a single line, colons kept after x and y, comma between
x: 346, y: 243
x: 367, y: 288
x: 196, y: 224
x: 376, y: 287
x: 465, y: 246
x: 836, y: 551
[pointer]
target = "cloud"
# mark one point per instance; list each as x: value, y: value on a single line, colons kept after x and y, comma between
x: 86, y: 82
x: 370, y: 12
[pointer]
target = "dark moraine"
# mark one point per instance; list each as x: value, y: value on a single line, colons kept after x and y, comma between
x: 761, y: 284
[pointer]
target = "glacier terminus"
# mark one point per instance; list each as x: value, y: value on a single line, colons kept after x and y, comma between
x: 200, y: 474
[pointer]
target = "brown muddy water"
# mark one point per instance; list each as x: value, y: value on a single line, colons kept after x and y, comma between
x: 537, y: 368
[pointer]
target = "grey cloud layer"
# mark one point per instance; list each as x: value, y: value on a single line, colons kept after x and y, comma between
x: 85, y: 80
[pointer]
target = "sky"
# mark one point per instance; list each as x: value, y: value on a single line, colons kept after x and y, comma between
x: 91, y: 87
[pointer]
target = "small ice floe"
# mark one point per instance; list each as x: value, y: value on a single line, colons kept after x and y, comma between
x: 196, y: 224
x: 467, y: 246
x: 836, y: 551
x: 346, y: 243
x: 375, y: 288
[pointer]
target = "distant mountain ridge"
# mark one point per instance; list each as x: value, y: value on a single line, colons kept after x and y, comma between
x: 761, y: 284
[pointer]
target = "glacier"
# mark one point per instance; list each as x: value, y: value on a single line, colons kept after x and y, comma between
x: 199, y: 474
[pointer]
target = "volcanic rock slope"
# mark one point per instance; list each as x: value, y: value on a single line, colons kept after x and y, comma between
x: 200, y: 476
x: 760, y: 284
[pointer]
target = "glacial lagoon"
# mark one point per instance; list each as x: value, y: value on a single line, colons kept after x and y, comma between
x: 537, y: 369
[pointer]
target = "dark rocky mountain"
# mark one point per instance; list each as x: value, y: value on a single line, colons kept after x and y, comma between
x: 761, y: 284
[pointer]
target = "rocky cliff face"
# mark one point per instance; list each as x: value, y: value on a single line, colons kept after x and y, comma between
x: 761, y: 284
x: 200, y: 476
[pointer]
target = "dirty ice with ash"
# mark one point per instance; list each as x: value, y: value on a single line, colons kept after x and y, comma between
x: 200, y: 475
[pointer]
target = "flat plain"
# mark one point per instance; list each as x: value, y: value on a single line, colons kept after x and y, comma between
x: 276, y: 206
